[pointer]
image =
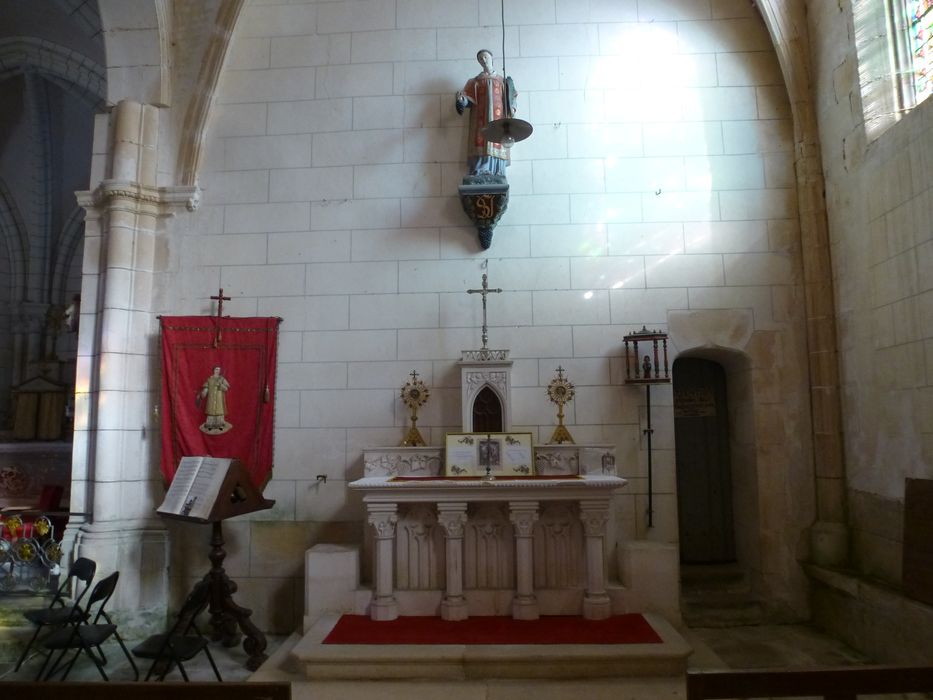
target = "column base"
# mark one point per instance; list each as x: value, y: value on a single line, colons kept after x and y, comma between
x: 454, y: 609
x: 597, y: 607
x: 384, y: 610
x: 829, y: 544
x: 525, y: 608
x: 140, y: 550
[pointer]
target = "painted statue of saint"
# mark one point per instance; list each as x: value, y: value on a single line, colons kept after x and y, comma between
x: 488, y: 96
x: 214, y: 394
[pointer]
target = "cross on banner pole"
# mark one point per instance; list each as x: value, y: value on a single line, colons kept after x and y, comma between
x: 220, y: 299
x: 485, y: 290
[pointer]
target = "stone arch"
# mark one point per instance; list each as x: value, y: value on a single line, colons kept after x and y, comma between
x: 83, y: 13
x: 73, y: 72
x: 197, y: 116
x: 786, y: 22
x: 69, y: 242
x: 16, y: 244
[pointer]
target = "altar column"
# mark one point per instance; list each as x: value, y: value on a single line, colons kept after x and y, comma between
x: 595, y: 516
x: 452, y: 517
x: 523, y: 515
x: 383, y: 517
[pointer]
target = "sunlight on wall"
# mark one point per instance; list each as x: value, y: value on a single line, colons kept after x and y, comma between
x: 893, y: 59
x: 644, y: 75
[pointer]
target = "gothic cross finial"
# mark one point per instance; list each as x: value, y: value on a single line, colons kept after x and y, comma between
x: 560, y: 372
x: 414, y: 375
x: 484, y: 291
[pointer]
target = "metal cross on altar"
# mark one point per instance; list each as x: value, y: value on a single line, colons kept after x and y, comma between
x: 414, y: 375
x: 484, y: 291
x: 220, y: 299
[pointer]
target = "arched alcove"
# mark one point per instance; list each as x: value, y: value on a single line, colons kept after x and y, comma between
x: 487, y: 412
x: 715, y: 387
x: 717, y: 473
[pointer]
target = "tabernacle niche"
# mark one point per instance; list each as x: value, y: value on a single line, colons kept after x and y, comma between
x: 487, y: 412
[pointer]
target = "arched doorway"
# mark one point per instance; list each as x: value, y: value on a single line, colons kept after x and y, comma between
x: 703, y: 462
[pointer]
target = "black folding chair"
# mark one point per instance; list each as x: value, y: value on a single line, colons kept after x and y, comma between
x: 87, y: 635
x: 60, y: 612
x: 183, y: 641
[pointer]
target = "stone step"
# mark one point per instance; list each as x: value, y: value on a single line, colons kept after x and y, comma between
x: 320, y: 662
x: 713, y: 577
x: 722, y: 610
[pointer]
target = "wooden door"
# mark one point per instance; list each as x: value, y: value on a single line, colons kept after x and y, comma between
x: 704, y: 470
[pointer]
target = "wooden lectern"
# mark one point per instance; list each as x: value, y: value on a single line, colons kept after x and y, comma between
x: 210, y: 490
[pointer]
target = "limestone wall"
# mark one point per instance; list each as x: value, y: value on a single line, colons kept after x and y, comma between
x: 879, y: 206
x: 659, y: 184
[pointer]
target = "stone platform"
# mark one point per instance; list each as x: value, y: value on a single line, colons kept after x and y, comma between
x: 333, y: 662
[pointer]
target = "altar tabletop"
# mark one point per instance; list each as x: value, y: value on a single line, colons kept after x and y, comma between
x: 474, y: 488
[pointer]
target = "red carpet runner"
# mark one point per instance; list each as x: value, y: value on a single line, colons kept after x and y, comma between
x: 619, y: 629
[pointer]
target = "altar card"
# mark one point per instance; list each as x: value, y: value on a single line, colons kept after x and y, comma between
x: 505, y: 454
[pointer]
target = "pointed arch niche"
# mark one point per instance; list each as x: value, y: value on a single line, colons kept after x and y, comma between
x: 486, y: 392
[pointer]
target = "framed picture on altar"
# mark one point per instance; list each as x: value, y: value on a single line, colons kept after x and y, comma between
x: 504, y: 454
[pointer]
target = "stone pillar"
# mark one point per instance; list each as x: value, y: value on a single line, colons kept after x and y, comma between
x: 116, y: 484
x: 523, y: 515
x: 596, y: 603
x: 452, y: 517
x: 383, y: 517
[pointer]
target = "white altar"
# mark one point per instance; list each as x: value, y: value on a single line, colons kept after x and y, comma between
x: 556, y: 538
x: 461, y: 546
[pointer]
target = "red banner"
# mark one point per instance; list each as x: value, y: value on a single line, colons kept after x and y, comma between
x: 218, y: 390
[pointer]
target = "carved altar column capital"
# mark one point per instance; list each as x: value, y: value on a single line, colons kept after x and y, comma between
x: 383, y: 518
x: 595, y: 517
x: 523, y: 515
x: 452, y: 517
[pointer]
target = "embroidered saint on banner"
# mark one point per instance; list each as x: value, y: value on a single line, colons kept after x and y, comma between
x: 218, y: 390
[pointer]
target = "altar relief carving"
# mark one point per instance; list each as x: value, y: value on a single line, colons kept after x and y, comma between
x: 557, y: 555
x: 419, y: 546
x: 403, y: 461
x: 496, y: 519
x: 489, y: 550
x: 476, y: 381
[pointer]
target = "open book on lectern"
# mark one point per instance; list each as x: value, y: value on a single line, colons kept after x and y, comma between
x: 207, y: 489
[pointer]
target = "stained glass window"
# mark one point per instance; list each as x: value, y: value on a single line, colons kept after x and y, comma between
x: 920, y: 16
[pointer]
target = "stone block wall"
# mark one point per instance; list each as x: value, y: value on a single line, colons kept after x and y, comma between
x: 659, y: 179
x: 878, y: 199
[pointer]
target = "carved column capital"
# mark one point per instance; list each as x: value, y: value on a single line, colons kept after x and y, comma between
x: 383, y: 519
x: 595, y: 517
x: 452, y: 517
x: 523, y: 516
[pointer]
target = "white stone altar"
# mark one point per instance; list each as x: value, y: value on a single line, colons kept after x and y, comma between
x: 464, y: 546
x: 514, y: 534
